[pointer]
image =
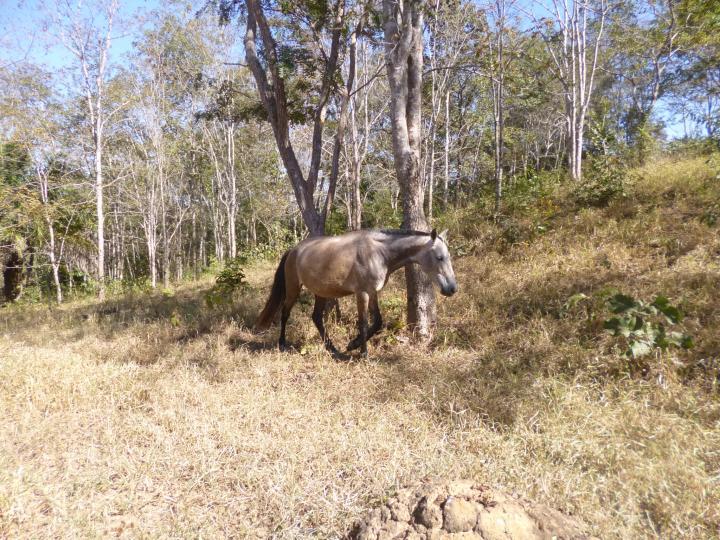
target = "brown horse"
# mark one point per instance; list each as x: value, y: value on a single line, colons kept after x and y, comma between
x: 358, y: 263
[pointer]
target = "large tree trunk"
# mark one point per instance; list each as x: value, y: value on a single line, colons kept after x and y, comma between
x: 403, y: 26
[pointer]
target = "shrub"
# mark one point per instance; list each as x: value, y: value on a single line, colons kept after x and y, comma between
x: 711, y: 216
x: 642, y: 325
x: 532, y: 193
x: 605, y: 177
x: 605, y: 181
x: 229, y: 281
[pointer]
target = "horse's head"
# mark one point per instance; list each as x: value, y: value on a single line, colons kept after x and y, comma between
x: 435, y: 262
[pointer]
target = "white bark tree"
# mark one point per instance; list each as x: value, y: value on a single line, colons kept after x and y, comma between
x: 448, y: 41
x: 86, y: 31
x: 573, y: 41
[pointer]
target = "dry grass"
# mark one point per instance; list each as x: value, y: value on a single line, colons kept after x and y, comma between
x: 149, y: 416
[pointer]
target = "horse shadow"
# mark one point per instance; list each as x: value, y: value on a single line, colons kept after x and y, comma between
x: 250, y: 343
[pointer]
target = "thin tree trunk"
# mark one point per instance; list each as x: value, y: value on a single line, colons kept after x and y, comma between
x: 446, y: 180
x: 100, y: 211
x: 54, y: 263
x: 232, y: 208
x: 431, y: 173
x: 164, y: 235
x: 498, y: 87
x: 354, y: 173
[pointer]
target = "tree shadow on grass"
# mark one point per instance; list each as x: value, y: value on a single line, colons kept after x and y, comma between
x: 153, y: 322
x: 464, y: 387
x: 515, y: 342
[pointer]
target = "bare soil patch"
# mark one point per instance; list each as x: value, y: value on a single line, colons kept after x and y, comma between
x: 463, y: 509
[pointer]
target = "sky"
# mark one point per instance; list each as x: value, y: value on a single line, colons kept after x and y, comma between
x: 24, y: 35
x: 24, y: 31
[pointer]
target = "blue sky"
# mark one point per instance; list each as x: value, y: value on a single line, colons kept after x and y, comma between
x: 24, y: 36
x: 24, y: 23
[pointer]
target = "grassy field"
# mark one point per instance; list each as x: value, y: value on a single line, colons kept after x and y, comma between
x: 150, y: 415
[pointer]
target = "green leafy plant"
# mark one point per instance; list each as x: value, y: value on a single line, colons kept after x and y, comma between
x: 229, y: 281
x: 711, y: 216
x: 573, y: 302
x: 605, y: 181
x: 606, y: 177
x: 644, y: 326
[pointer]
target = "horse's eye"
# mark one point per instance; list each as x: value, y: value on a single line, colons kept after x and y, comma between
x: 440, y: 257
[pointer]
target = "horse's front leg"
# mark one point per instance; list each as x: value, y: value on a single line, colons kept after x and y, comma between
x: 376, y: 325
x: 317, y: 318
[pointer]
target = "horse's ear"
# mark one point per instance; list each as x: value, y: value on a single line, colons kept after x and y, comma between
x: 433, y: 234
x: 443, y: 235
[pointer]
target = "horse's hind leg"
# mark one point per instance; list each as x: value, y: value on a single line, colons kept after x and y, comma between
x: 292, y: 291
x: 376, y: 325
x: 377, y: 316
x: 317, y: 317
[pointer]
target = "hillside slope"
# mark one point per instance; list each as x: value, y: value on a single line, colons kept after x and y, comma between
x: 151, y: 415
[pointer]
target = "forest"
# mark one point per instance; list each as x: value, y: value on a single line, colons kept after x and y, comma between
x: 148, y: 168
x: 158, y: 158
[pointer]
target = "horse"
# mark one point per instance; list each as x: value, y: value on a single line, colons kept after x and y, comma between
x: 359, y: 263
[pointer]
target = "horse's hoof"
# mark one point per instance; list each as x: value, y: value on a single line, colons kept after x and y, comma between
x: 337, y: 355
x: 286, y: 347
x: 354, y: 344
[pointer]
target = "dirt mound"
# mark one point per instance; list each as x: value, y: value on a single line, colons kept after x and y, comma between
x: 463, y: 509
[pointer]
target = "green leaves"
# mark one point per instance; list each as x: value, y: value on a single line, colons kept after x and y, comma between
x: 621, y: 303
x: 672, y: 314
x: 230, y: 280
x: 643, y: 325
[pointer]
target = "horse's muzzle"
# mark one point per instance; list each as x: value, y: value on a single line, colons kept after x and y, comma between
x: 449, y: 290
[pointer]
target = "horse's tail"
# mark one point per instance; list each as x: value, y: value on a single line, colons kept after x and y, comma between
x: 277, y: 296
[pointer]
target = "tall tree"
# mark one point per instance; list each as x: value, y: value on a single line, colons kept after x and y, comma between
x: 498, y: 60
x: 403, y: 30
x: 312, y: 48
x: 573, y: 39
x: 87, y: 33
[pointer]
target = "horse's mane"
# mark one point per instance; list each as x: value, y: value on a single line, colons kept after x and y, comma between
x: 404, y: 232
x: 409, y: 232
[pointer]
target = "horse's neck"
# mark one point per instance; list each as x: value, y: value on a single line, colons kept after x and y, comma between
x: 402, y: 250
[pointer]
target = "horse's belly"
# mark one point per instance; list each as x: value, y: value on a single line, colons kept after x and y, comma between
x: 327, y: 281
x: 324, y: 287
